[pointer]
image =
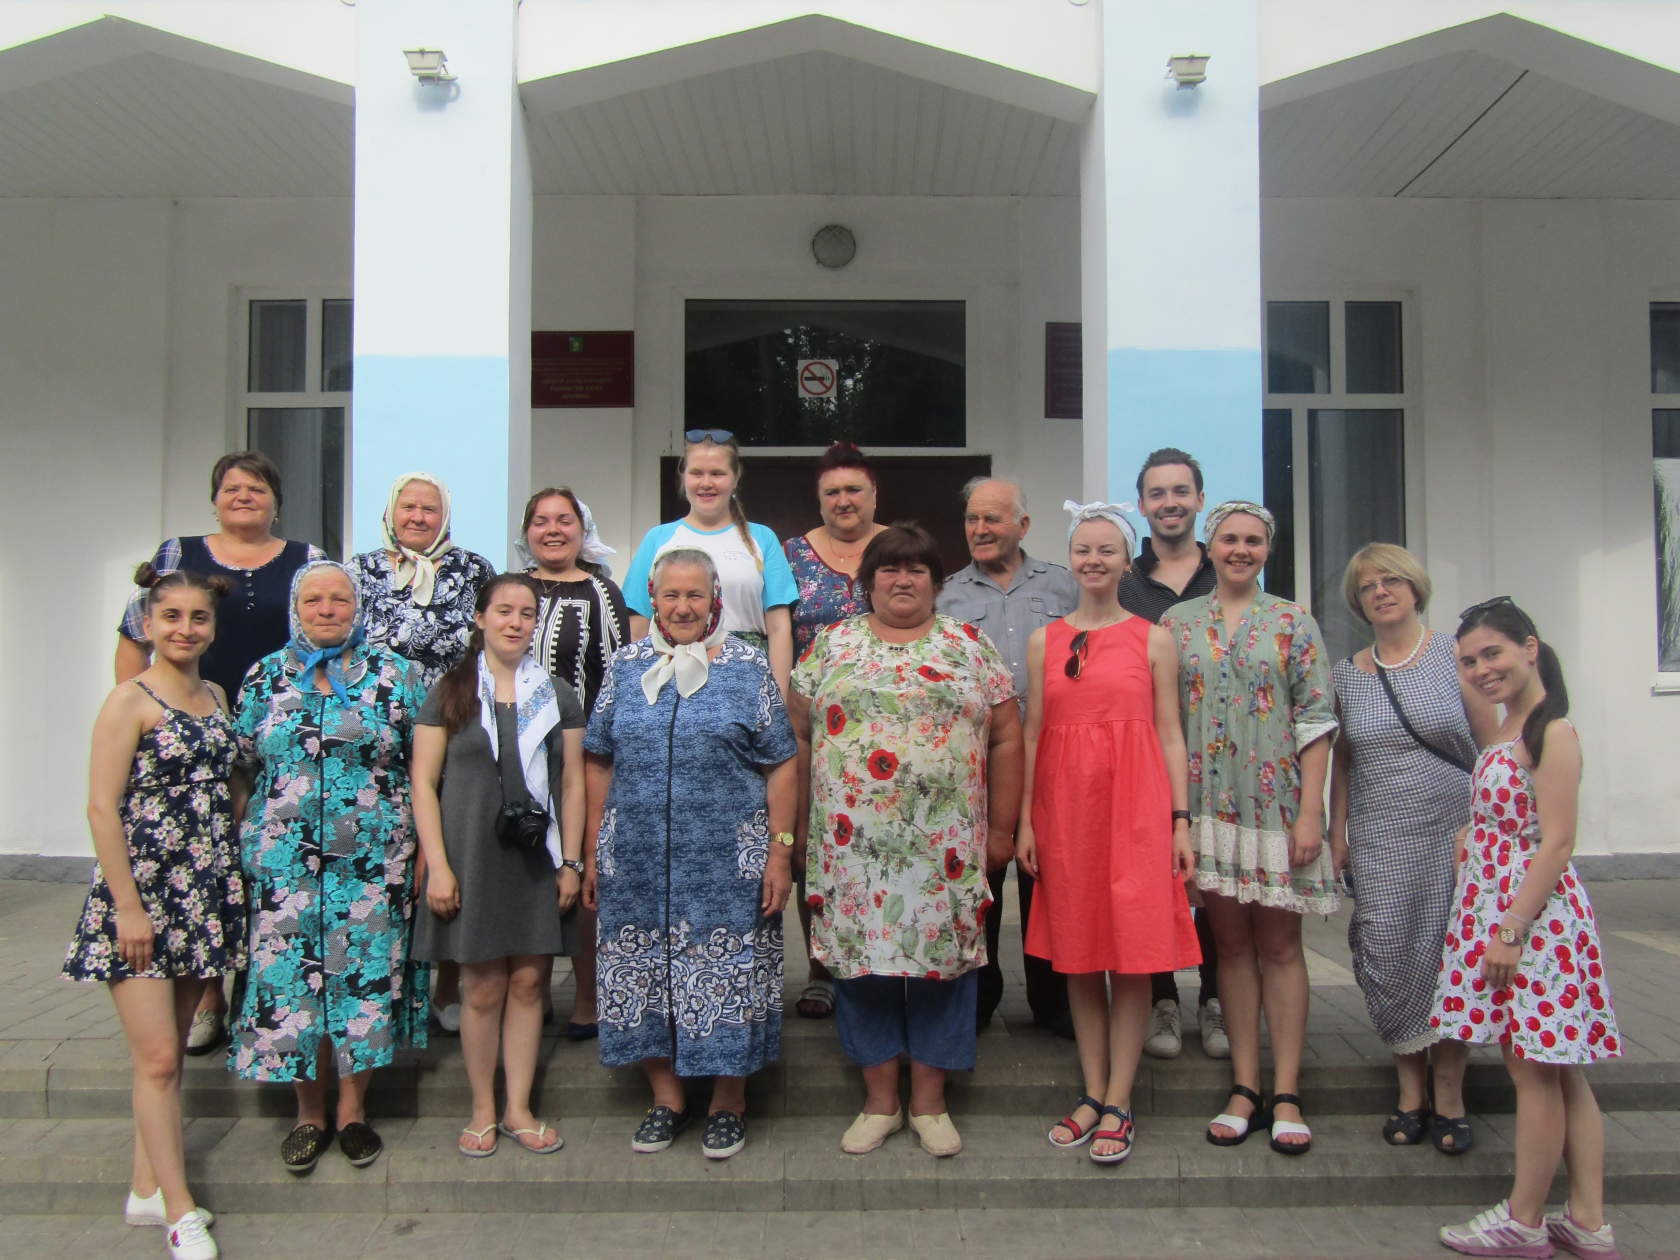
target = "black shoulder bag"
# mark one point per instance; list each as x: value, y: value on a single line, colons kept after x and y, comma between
x: 1388, y: 690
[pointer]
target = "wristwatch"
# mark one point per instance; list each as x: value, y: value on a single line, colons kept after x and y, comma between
x: 1507, y: 935
x: 572, y: 864
x: 785, y: 839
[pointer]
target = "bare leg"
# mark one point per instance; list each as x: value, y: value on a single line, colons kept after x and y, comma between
x: 881, y: 1085
x: 521, y: 1036
x: 1412, y: 1073
x: 1447, y: 1061
x: 1128, y: 1023
x: 666, y: 1084
x: 213, y: 998
x: 1583, y: 1149
x: 583, y: 970
x: 729, y: 1093
x: 484, y: 992
x: 312, y: 1092
x: 153, y: 1014
x: 1540, y: 1135
x: 1283, y: 988
x: 927, y: 1090
x: 1088, y: 1004
x: 1239, y: 993
x: 352, y: 1097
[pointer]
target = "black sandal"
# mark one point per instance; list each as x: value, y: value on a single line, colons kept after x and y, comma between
x: 1291, y: 1128
x: 1455, y: 1128
x: 301, y: 1149
x: 1405, y: 1128
x: 1243, y: 1124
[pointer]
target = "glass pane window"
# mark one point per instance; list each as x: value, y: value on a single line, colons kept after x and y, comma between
x: 898, y: 374
x: 1373, y: 348
x: 307, y: 446
x: 278, y: 347
x: 1356, y: 470
x: 1665, y: 461
x: 1277, y: 458
x: 1297, y: 347
x: 335, y: 345
x: 1665, y: 347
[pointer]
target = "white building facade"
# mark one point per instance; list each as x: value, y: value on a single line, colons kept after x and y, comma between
x: 1408, y: 272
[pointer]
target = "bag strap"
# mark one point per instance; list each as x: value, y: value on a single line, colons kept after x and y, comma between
x: 1394, y: 700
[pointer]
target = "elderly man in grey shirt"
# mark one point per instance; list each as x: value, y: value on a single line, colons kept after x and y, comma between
x: 1007, y: 594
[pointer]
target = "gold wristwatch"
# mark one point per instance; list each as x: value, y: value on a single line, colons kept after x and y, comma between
x: 785, y: 839
x: 1507, y: 935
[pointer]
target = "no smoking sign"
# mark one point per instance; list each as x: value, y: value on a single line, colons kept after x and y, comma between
x: 817, y: 378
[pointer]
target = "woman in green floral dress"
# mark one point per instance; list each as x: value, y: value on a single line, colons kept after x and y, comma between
x: 1254, y: 690
x: 910, y: 750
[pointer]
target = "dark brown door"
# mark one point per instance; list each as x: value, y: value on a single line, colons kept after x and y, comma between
x: 781, y: 491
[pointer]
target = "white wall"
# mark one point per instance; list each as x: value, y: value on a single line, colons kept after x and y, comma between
x: 1533, y: 380
x: 116, y: 347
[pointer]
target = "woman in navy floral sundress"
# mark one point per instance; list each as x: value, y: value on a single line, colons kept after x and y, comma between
x: 166, y: 910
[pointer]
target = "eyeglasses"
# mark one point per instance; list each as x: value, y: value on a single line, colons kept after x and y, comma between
x: 1077, y: 652
x: 1388, y: 582
x: 720, y: 436
x: 1488, y: 605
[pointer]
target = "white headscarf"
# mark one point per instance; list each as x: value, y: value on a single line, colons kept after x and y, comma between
x: 1239, y: 507
x: 689, y: 663
x: 1099, y: 511
x: 417, y: 568
x: 591, y: 550
x: 536, y: 712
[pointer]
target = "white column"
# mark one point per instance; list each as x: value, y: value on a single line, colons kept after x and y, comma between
x: 442, y: 267
x: 1170, y: 236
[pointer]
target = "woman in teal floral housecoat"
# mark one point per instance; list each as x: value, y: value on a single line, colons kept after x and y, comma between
x: 328, y: 848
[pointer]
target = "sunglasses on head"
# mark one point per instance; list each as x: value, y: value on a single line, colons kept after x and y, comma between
x: 1488, y: 605
x: 720, y: 436
x: 1078, y: 649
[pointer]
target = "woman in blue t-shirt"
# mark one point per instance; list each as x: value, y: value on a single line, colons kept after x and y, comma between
x: 758, y: 586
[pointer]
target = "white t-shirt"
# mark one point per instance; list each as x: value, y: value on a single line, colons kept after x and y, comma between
x: 750, y: 583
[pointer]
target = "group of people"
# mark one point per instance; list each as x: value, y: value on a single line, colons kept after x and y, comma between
x: 328, y: 780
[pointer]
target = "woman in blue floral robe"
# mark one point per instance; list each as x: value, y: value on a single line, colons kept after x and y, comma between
x: 328, y: 847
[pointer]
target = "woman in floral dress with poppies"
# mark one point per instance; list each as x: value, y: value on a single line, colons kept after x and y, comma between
x: 910, y: 751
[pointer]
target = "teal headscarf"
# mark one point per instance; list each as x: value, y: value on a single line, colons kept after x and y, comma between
x: 308, y: 655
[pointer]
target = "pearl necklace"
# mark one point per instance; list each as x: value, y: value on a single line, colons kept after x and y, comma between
x: 1423, y: 635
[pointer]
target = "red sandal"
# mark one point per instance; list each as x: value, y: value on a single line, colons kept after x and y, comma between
x: 1121, y: 1132
x: 1080, y: 1135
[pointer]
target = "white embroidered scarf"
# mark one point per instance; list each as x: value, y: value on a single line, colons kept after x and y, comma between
x: 536, y: 713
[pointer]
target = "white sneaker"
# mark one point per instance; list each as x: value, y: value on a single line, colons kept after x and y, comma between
x: 206, y: 1031
x: 1166, y: 1035
x: 1496, y: 1232
x: 149, y: 1211
x: 449, y: 1017
x: 1211, y: 1021
x: 189, y: 1239
x: 1590, y: 1244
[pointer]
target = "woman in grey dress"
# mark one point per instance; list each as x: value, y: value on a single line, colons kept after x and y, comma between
x: 499, y: 804
x: 1398, y: 799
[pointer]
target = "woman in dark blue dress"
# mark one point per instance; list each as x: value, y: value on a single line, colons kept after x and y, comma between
x: 690, y: 777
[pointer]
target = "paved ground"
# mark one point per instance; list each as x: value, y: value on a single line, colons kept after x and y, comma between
x: 44, y: 1021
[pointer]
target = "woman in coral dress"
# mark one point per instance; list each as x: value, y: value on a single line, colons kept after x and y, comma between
x: 1104, y: 827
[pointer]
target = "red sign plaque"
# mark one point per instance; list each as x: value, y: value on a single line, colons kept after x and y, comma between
x: 583, y: 369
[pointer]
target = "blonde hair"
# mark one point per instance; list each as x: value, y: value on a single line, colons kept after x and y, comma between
x: 1385, y: 558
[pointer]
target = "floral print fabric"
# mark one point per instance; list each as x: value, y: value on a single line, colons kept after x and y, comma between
x: 328, y: 847
x: 687, y: 967
x: 434, y: 637
x: 1250, y: 703
x: 896, y: 860
x: 826, y: 595
x: 179, y: 822
x: 1557, y: 1008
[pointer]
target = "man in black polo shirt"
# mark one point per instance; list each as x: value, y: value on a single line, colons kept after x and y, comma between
x: 1172, y: 566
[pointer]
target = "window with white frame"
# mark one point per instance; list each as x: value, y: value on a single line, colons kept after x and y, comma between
x: 296, y: 406
x: 1665, y: 467
x: 1334, y: 448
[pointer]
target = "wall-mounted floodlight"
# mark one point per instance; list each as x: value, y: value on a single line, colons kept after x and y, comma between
x: 429, y: 65
x: 1188, y: 69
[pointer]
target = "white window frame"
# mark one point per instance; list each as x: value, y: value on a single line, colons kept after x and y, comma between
x: 243, y: 398
x: 1338, y: 399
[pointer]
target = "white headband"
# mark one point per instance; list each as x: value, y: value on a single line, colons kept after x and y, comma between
x: 1099, y: 511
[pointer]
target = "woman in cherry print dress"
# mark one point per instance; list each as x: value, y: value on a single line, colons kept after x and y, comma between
x: 1521, y: 966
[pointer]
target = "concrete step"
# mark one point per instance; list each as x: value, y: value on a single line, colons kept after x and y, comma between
x: 794, y: 1164
x: 1021, y: 1072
